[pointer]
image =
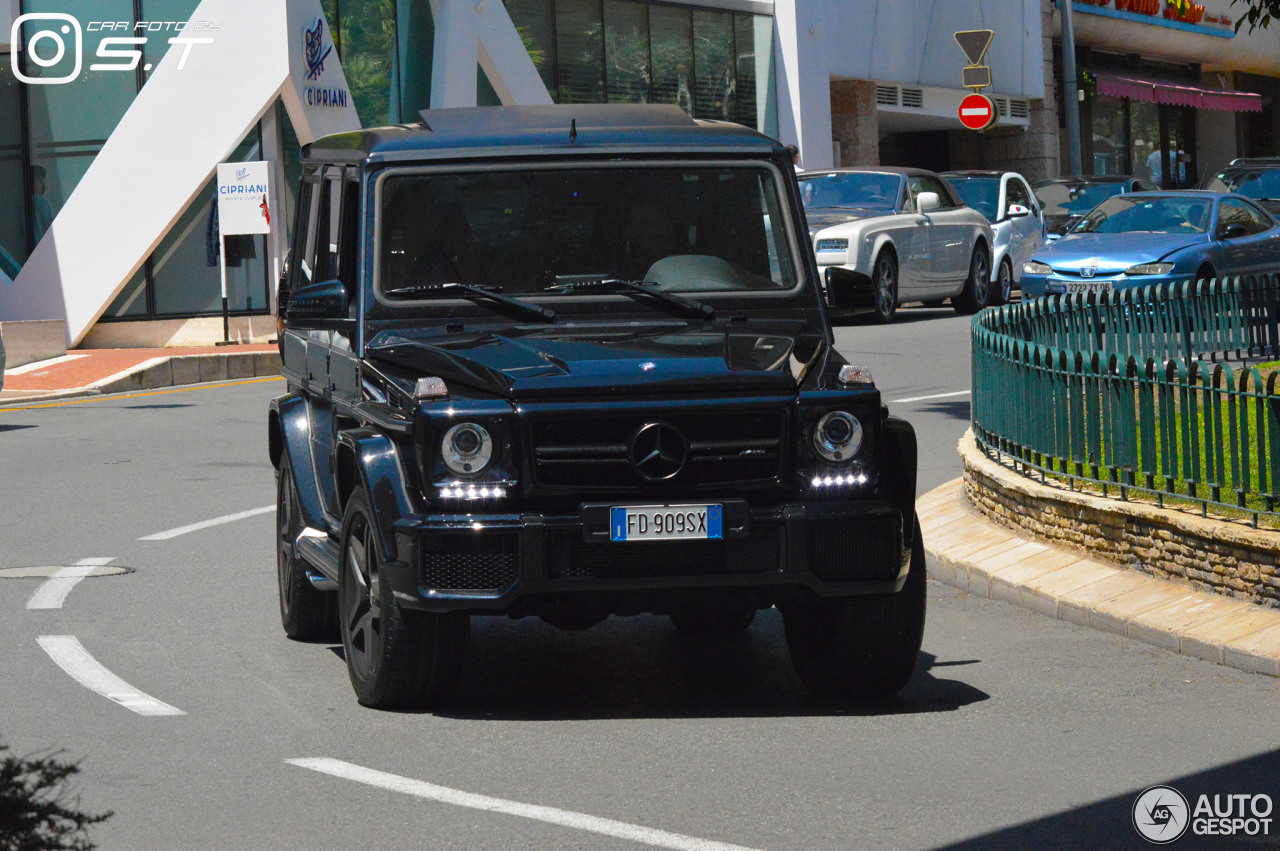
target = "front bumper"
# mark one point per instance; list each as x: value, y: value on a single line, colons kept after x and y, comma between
x: 1034, y: 286
x: 496, y: 562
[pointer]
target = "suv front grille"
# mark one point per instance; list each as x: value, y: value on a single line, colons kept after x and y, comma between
x: 592, y: 452
x: 470, y: 562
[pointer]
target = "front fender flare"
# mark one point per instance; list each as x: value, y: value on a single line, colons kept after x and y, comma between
x: 371, y: 460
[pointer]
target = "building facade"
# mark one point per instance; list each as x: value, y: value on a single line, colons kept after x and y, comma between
x: 107, y: 218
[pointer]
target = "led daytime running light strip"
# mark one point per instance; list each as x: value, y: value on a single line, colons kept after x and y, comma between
x: 838, y: 481
x: 472, y: 492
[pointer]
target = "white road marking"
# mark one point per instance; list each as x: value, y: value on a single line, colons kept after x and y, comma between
x: 42, y: 364
x: 71, y: 657
x: 565, y: 818
x: 925, y: 398
x: 205, y: 524
x: 54, y: 590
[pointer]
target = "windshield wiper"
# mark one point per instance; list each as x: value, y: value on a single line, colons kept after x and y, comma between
x: 674, y: 304
x: 477, y: 295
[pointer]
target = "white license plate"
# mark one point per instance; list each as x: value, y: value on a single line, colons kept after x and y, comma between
x: 665, y: 522
x: 1083, y: 287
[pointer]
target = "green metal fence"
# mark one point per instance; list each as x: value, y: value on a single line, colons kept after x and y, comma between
x: 1128, y: 391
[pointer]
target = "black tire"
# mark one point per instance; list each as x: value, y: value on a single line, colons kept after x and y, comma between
x: 863, y: 647
x: 306, y: 613
x: 977, y: 287
x: 396, y: 658
x: 1004, y: 283
x: 884, y: 280
x: 1205, y: 273
x: 719, y: 620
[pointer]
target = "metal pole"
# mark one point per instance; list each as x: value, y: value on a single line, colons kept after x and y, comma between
x: 222, y: 271
x: 1071, y: 102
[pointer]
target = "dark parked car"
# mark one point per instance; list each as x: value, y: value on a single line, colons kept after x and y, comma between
x: 1065, y: 200
x: 568, y: 362
x: 1257, y: 178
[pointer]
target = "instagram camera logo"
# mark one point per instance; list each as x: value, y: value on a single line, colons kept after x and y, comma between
x: 60, y: 26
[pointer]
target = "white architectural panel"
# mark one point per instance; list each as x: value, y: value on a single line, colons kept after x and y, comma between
x: 167, y: 146
x: 480, y: 34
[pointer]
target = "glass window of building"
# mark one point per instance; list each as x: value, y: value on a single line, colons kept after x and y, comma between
x: 13, y: 183
x: 535, y: 21
x: 713, y: 59
x: 671, y: 37
x: 366, y: 39
x: 579, y: 51
x: 626, y: 51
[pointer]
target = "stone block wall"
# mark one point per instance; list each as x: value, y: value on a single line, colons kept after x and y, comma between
x: 1209, y: 554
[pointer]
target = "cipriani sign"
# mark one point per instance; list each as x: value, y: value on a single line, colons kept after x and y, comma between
x: 315, y: 50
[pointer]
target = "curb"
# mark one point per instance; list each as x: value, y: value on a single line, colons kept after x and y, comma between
x: 974, y: 554
x: 168, y: 371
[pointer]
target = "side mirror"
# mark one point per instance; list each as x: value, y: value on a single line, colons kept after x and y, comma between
x: 1017, y: 211
x: 927, y: 201
x: 318, y: 306
x: 1232, y: 231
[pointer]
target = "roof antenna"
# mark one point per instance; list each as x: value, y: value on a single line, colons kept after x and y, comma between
x: 573, y: 129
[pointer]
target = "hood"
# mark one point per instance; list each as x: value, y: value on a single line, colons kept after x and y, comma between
x: 598, y: 360
x: 1113, y: 252
x: 825, y: 217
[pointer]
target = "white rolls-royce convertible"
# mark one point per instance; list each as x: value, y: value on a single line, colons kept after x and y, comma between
x: 887, y: 236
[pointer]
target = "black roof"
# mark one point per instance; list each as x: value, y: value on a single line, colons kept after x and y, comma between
x: 975, y: 172
x: 1087, y: 178
x: 560, y: 128
x: 871, y: 169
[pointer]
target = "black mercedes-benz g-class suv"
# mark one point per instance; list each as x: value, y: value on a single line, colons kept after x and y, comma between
x: 568, y: 362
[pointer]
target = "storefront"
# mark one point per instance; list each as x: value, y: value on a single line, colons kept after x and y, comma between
x: 1167, y: 97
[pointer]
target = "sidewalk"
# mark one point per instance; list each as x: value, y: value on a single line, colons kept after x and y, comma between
x: 977, y: 555
x: 89, y: 372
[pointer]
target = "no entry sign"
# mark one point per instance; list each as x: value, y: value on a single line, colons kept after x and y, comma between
x: 977, y: 112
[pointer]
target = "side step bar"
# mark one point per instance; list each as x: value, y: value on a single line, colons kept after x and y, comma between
x: 321, y: 552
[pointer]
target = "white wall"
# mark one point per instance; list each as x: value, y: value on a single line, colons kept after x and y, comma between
x: 8, y: 13
x: 164, y: 150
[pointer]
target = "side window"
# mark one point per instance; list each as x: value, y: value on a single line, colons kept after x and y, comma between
x: 1017, y: 193
x: 1231, y: 212
x: 304, y: 241
x: 348, y: 244
x: 327, y: 226
x: 924, y: 183
x: 1259, y: 219
x: 908, y: 202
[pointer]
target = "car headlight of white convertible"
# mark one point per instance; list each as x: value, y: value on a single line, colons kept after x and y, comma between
x: 1035, y: 267
x: 1150, y: 269
x: 833, y: 245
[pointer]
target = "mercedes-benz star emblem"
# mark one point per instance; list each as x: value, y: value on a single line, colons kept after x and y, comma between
x: 658, y: 451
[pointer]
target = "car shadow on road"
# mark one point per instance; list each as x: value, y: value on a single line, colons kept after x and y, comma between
x: 958, y: 410
x: 904, y: 315
x: 642, y: 667
x: 14, y: 427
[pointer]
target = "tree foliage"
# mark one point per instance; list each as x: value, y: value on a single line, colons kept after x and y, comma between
x: 38, y: 809
x: 1257, y: 14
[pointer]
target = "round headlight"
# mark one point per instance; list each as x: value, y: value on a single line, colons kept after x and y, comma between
x: 466, y: 449
x: 838, y: 436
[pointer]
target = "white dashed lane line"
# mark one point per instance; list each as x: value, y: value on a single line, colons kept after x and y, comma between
x: 54, y: 590
x: 71, y: 657
x: 551, y: 815
x: 206, y: 524
x: 927, y: 398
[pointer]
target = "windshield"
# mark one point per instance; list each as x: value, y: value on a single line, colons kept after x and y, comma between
x: 1139, y: 214
x: 553, y: 231
x: 869, y: 191
x: 980, y: 193
x: 1074, y: 199
x: 1261, y: 185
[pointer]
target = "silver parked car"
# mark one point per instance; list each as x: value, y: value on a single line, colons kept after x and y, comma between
x: 887, y: 236
x: 1017, y: 223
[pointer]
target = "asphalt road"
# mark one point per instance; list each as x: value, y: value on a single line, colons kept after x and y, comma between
x: 1017, y: 731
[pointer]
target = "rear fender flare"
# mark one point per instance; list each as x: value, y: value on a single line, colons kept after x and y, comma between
x: 289, y: 433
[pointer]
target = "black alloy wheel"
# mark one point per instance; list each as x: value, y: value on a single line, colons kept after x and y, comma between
x: 1004, y: 282
x: 396, y: 658
x: 306, y: 612
x: 862, y: 647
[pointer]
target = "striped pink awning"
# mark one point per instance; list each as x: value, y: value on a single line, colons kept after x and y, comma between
x: 1179, y: 94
